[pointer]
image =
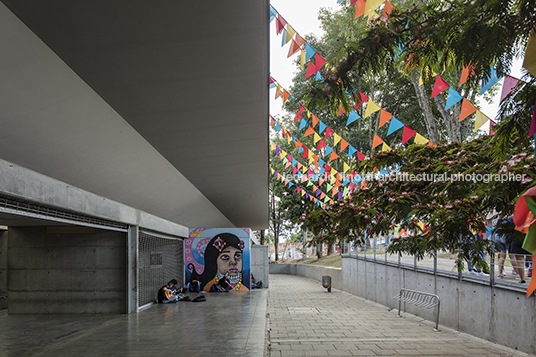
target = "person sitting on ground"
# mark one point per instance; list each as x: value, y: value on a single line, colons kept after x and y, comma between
x: 255, y: 284
x: 223, y: 286
x: 194, y: 286
x: 168, y: 292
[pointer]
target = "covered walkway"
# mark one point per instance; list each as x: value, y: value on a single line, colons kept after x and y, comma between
x: 303, y: 320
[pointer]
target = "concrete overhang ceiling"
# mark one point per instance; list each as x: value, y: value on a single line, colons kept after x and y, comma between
x: 189, y: 77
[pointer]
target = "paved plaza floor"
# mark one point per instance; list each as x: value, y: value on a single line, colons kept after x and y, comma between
x: 306, y: 320
x: 294, y: 317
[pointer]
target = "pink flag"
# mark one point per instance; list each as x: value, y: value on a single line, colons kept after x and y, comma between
x: 508, y: 86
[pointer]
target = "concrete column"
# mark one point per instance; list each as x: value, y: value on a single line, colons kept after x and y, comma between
x: 3, y: 269
x: 132, y: 269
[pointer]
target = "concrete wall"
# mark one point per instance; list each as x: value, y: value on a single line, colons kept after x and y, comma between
x: 66, y: 273
x: 496, y: 313
x: 3, y: 270
x: 310, y: 271
x: 259, y: 264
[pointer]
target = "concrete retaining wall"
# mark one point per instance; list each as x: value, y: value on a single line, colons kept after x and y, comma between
x: 498, y: 314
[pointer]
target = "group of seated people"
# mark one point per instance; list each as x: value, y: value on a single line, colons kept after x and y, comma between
x: 172, y: 293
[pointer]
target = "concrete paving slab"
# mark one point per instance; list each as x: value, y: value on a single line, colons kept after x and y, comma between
x: 306, y: 320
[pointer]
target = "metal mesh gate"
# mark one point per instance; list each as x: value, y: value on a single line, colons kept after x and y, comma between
x: 159, y: 261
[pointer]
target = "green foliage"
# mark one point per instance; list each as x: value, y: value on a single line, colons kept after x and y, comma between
x: 452, y: 210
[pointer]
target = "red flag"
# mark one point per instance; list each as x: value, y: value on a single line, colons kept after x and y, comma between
x: 297, y: 116
x: 439, y: 86
x: 328, y: 132
x: 360, y: 156
x: 279, y: 24
x: 311, y: 69
x: 360, y: 100
x: 321, y: 144
x: 341, y: 111
x: 319, y: 62
x: 408, y: 134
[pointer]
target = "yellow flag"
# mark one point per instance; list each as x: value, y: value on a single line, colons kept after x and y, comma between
x: 372, y: 15
x: 304, y: 169
x: 290, y: 33
x: 345, y: 167
x: 336, y: 139
x: 302, y: 59
x: 316, y: 138
x: 433, y: 75
x: 308, y: 113
x: 371, y: 108
x: 311, y: 159
x: 289, y: 139
x: 371, y: 5
x: 480, y: 119
x: 385, y: 147
x: 421, y: 140
x: 303, y: 192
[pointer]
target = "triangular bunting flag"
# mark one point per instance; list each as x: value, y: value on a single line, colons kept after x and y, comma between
x: 480, y: 119
x: 333, y: 156
x: 311, y: 69
x: 385, y: 116
x: 359, y: 8
x: 290, y: 32
x: 297, y: 117
x: 371, y: 107
x: 328, y: 132
x: 321, y: 127
x: 299, y: 40
x: 419, y: 139
x: 489, y: 82
x: 509, y: 85
x: 315, y: 120
x: 407, y: 134
x: 353, y: 116
x: 344, y: 145
x: 279, y: 24
x: 273, y: 13
x: 439, y: 86
x: 467, y: 72
x: 316, y: 138
x: 285, y: 96
x: 360, y: 156
x: 322, y: 144
x: 303, y: 124
x: 467, y: 109
x: 394, y: 126
x: 351, y: 150
x: 309, y: 52
x: 376, y: 141
x: 309, y: 131
x: 341, y: 111
x: 336, y: 139
x: 319, y: 60
x: 371, y: 5
x: 387, y: 8
x: 385, y: 147
x: 453, y: 98
x: 294, y: 47
x: 318, y: 76
x: 360, y: 100
x: 302, y: 59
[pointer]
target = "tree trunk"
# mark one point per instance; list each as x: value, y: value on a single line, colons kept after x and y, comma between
x: 424, y: 103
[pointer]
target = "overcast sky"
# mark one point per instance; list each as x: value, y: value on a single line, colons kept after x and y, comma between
x: 302, y: 15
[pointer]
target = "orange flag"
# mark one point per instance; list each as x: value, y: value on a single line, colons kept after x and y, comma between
x: 467, y: 72
x: 299, y: 40
x: 387, y: 8
x: 333, y: 156
x: 309, y: 131
x: 286, y: 95
x: 360, y: 8
x: 344, y: 145
x: 294, y: 47
x: 377, y: 141
x: 315, y: 120
x: 385, y: 116
x: 467, y: 109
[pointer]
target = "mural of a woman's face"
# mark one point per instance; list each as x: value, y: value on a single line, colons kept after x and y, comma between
x: 230, y: 262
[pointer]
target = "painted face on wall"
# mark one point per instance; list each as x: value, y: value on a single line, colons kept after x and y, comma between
x: 230, y: 263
